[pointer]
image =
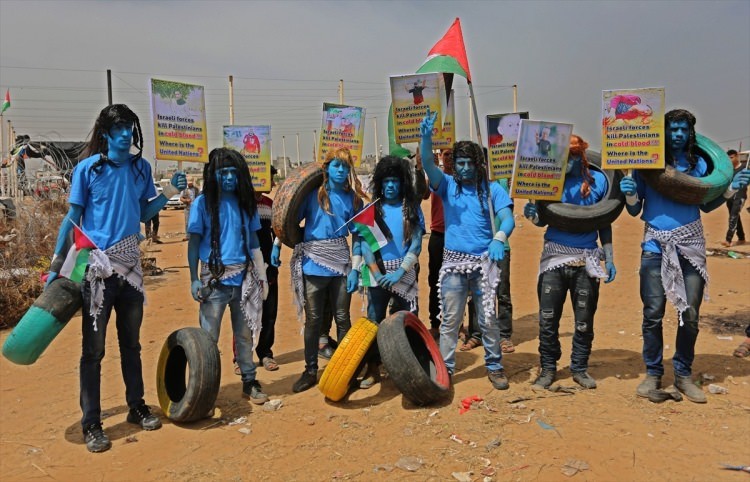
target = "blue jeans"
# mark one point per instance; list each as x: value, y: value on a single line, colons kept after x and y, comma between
x: 654, y: 303
x: 128, y: 305
x: 378, y: 300
x: 320, y: 290
x: 552, y: 289
x: 504, y: 305
x: 454, y: 291
x: 211, y: 312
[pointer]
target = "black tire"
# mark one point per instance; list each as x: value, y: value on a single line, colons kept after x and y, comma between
x: 43, y: 321
x: 191, y: 349
x: 583, y: 219
x: 686, y: 189
x: 288, y: 200
x: 413, y: 359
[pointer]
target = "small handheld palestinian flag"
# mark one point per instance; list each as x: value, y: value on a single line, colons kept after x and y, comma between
x: 77, y: 255
x: 371, y: 227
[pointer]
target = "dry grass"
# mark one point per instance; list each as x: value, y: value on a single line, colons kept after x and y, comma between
x: 26, y: 255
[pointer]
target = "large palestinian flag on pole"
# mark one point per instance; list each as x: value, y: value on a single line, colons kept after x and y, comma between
x: 448, y: 55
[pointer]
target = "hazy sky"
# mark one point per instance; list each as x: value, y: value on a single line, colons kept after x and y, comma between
x: 287, y: 57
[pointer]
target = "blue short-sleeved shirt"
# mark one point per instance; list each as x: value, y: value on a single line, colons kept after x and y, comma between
x: 230, y: 232
x: 321, y: 225
x: 572, y: 195
x: 467, y: 226
x: 111, y: 199
x: 662, y: 213
x: 393, y: 217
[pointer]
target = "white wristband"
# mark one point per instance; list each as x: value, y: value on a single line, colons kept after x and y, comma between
x: 501, y: 236
x: 277, y: 242
x: 169, y: 191
x: 729, y: 193
x: 409, y: 261
x: 260, y: 265
x: 631, y: 200
x: 357, y: 261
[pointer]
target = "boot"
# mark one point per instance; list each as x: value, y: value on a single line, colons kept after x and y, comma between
x: 651, y: 382
x: 691, y: 391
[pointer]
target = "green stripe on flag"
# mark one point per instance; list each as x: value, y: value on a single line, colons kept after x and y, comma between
x: 369, y: 238
x: 82, y: 260
x: 442, y: 63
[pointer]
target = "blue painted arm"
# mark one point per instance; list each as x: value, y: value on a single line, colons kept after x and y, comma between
x: 434, y: 174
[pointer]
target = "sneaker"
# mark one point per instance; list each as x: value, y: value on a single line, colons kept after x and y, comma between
x: 306, y: 381
x: 142, y: 416
x: 651, y: 382
x: 254, y: 392
x: 545, y: 378
x: 584, y: 379
x: 325, y: 352
x: 95, y: 438
x: 691, y: 391
x: 498, y: 379
x: 372, y: 376
x: 507, y: 346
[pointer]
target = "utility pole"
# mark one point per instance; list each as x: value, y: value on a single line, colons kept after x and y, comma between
x: 231, y: 100
x: 109, y: 86
x: 283, y: 153
x: 315, y: 145
x: 515, y: 98
x: 298, y: 162
x: 375, y: 123
x: 341, y: 91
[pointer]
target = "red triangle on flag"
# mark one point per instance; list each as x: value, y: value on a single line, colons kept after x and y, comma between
x: 81, y: 240
x: 452, y: 44
x: 366, y: 216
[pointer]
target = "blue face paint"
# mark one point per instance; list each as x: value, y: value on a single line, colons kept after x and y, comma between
x: 679, y: 133
x: 120, y: 137
x: 338, y: 172
x: 227, y: 178
x: 466, y: 168
x: 392, y: 189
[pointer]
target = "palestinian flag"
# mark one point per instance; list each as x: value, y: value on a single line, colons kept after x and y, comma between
x: 367, y: 279
x: 6, y: 102
x: 448, y: 55
x: 77, y: 257
x: 371, y: 227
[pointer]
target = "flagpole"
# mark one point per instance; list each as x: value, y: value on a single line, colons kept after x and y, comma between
x: 361, y: 210
x: 487, y: 161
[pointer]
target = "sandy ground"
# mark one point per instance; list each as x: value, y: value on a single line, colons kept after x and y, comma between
x: 376, y: 434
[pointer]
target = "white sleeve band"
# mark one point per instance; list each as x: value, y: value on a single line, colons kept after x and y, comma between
x: 357, y: 261
x: 260, y: 265
x: 277, y: 242
x: 729, y: 193
x: 409, y: 261
x: 169, y: 191
x: 631, y: 200
x: 501, y: 236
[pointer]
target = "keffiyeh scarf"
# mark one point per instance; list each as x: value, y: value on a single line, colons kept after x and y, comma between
x: 555, y: 255
x: 464, y: 263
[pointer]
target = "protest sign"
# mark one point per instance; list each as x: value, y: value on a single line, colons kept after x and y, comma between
x: 254, y: 143
x: 178, y: 111
x: 541, y: 159
x: 503, y: 135
x: 447, y: 136
x: 343, y: 126
x: 633, y: 129
x: 411, y: 96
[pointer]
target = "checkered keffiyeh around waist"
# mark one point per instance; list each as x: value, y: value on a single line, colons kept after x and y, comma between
x: 123, y: 259
x: 332, y: 254
x: 688, y: 241
x: 555, y: 255
x: 407, y: 287
x: 465, y: 263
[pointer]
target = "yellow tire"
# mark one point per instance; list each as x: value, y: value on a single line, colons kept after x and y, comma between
x: 347, y: 358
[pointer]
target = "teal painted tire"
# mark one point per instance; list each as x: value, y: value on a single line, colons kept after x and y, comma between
x: 686, y: 189
x: 43, y: 321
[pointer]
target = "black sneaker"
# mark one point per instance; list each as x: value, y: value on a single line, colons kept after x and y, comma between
x: 545, y: 379
x: 95, y: 438
x: 142, y: 416
x: 305, y: 382
x: 584, y: 379
x: 498, y: 379
x: 254, y: 392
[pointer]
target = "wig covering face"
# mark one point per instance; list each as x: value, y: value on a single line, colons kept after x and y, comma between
x: 473, y: 151
x: 97, y: 144
x: 342, y: 154
x: 392, y: 166
x: 681, y: 115
x: 218, y: 159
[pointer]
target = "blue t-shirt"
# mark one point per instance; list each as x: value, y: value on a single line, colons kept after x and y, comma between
x: 230, y: 232
x: 111, y: 199
x: 662, y: 213
x: 467, y: 228
x: 572, y: 195
x: 321, y: 225
x: 393, y: 216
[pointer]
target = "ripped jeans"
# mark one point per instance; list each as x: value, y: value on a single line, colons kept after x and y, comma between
x: 552, y: 289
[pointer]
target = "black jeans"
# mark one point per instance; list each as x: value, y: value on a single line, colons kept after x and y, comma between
x: 268, y: 322
x: 734, y: 206
x: 128, y: 305
x: 320, y: 290
x: 552, y: 289
x: 504, y: 305
x: 152, y: 225
x: 435, y: 251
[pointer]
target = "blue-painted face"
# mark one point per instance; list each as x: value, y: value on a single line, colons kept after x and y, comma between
x: 679, y: 133
x: 227, y: 178
x: 392, y: 188
x: 466, y: 168
x: 120, y: 136
x: 338, y: 172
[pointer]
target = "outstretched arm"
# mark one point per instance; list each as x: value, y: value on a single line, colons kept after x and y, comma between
x: 434, y: 174
x: 149, y: 209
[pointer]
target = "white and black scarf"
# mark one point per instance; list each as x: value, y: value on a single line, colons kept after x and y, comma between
x: 464, y: 263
